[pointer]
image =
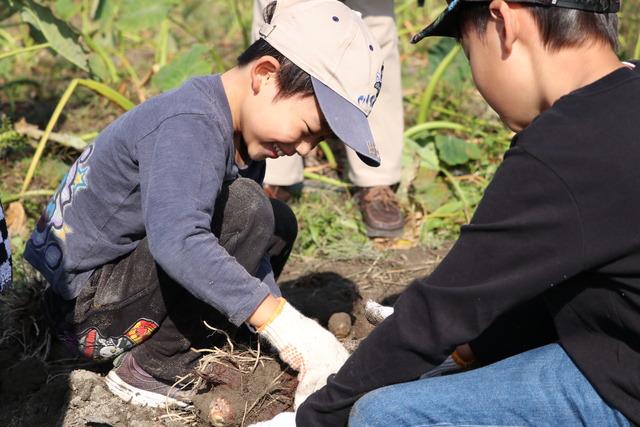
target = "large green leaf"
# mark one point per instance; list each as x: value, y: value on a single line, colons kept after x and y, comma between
x: 60, y: 35
x: 189, y: 64
x: 136, y: 15
x: 455, y: 151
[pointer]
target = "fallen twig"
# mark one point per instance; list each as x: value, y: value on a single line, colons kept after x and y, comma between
x: 33, y: 132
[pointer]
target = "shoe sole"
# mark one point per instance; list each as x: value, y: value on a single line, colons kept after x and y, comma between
x: 139, y: 397
x: 376, y: 232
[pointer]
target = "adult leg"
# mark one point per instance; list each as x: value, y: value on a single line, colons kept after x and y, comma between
x: 386, y: 118
x: 378, y: 203
x: 541, y: 387
x: 283, y: 177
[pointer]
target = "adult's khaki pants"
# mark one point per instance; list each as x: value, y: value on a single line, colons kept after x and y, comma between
x: 386, y: 118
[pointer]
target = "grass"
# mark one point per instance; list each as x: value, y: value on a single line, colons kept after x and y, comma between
x: 330, y: 226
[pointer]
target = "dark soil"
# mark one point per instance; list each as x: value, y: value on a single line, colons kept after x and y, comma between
x: 62, y: 392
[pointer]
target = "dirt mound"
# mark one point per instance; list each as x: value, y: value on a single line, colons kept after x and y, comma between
x: 41, y: 386
x: 245, y: 387
x: 79, y: 398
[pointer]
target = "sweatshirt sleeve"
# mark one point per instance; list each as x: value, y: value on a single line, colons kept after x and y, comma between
x: 265, y: 273
x: 182, y: 168
x: 524, y: 238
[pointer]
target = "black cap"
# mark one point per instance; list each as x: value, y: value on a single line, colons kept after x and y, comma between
x: 446, y: 24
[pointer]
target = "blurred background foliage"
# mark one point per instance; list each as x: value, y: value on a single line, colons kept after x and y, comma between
x: 69, y: 67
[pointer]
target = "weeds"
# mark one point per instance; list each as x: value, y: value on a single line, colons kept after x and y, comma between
x: 330, y: 226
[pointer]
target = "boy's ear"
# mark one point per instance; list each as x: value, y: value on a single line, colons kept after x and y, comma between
x: 263, y: 71
x: 507, y: 24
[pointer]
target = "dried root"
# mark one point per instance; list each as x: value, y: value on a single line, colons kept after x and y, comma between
x: 244, y: 385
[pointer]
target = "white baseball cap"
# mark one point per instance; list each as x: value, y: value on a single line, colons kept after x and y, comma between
x: 334, y: 46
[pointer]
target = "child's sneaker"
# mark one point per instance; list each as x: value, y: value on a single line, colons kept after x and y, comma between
x: 131, y: 383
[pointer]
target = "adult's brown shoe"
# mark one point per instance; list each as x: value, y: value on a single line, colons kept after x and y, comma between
x: 381, y: 211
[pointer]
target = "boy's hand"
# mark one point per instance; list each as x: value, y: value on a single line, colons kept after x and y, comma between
x: 461, y: 359
x: 376, y: 313
x: 306, y: 346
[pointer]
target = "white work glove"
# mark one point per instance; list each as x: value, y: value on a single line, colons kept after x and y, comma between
x: 376, y: 313
x: 285, y: 419
x: 305, y: 346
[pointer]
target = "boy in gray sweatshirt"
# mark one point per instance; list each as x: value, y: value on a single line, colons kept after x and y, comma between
x: 161, y: 223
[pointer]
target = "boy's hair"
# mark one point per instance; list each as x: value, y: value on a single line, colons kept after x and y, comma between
x: 292, y: 80
x: 559, y: 27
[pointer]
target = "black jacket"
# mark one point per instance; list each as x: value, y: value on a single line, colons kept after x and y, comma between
x: 559, y: 223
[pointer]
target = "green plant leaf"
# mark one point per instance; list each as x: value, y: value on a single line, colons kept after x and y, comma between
x: 451, y: 208
x: 473, y: 151
x: 60, y: 35
x: 186, y: 65
x: 429, y: 157
x: 98, y: 69
x: 433, y: 196
x: 423, y: 179
x: 455, y: 151
x: 65, y: 9
x: 136, y: 15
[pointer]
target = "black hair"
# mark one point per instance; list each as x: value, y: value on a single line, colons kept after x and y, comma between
x: 559, y: 27
x: 292, y: 80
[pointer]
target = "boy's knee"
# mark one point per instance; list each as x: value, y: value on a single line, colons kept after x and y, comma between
x: 368, y: 411
x: 250, y: 207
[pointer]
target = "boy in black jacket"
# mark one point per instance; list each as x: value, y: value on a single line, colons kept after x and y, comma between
x: 556, y: 232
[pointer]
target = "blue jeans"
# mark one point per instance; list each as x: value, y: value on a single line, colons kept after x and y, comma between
x: 541, y: 387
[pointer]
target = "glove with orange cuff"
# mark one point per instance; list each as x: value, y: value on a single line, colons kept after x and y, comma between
x: 305, y: 346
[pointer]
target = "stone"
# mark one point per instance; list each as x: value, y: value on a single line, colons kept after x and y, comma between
x: 340, y: 324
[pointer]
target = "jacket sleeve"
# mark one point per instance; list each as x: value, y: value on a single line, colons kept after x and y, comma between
x: 524, y: 238
x: 181, y: 174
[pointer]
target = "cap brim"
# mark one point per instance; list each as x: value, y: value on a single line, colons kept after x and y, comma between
x: 347, y: 122
x: 445, y: 25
